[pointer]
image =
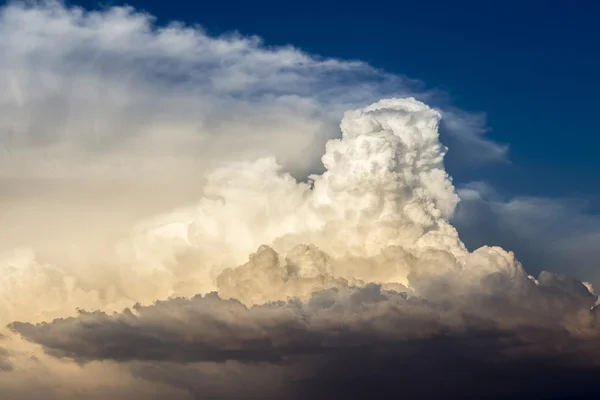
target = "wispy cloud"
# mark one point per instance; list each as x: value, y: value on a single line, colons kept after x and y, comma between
x: 465, y: 134
x: 95, y: 92
x: 555, y: 234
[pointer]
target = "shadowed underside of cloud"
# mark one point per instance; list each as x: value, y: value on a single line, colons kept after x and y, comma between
x: 431, y: 369
x: 350, y: 342
x: 212, y: 329
x: 436, y: 368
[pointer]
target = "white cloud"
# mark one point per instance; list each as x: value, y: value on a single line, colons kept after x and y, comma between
x: 465, y: 132
x: 106, y: 118
x: 87, y: 92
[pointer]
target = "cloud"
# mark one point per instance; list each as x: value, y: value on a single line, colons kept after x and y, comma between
x: 384, y: 185
x: 259, y: 264
x: 556, y: 234
x: 109, y: 94
x: 360, y: 338
x: 425, y: 369
x: 107, y: 118
x: 207, y: 328
x: 5, y: 365
x: 466, y: 131
x: 357, y: 267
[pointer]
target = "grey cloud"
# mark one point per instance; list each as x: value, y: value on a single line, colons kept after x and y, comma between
x: 207, y: 328
x: 111, y: 88
x: 346, y: 343
x: 210, y: 328
x: 555, y: 234
x: 227, y: 380
x: 443, y: 367
x: 462, y: 130
x: 5, y: 364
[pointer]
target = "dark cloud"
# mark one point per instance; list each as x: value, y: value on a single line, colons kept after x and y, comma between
x: 440, y: 367
x: 352, y: 343
x: 227, y: 380
x: 208, y: 328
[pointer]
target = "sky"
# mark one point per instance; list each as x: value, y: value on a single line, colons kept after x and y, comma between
x: 296, y: 201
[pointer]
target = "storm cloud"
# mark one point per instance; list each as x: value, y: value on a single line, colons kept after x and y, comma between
x: 233, y: 242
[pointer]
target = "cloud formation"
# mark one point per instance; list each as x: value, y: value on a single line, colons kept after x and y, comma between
x: 350, y: 281
x: 344, y: 340
x: 358, y: 274
x: 107, y: 119
x: 555, y: 234
x: 208, y: 328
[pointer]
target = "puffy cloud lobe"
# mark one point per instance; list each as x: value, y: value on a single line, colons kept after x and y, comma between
x: 38, y: 291
x: 384, y: 185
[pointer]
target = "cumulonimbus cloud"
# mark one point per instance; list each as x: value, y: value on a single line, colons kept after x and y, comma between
x: 107, y: 118
x: 266, y: 285
x: 361, y: 261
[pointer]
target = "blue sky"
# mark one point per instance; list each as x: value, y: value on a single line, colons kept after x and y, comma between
x: 531, y: 66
